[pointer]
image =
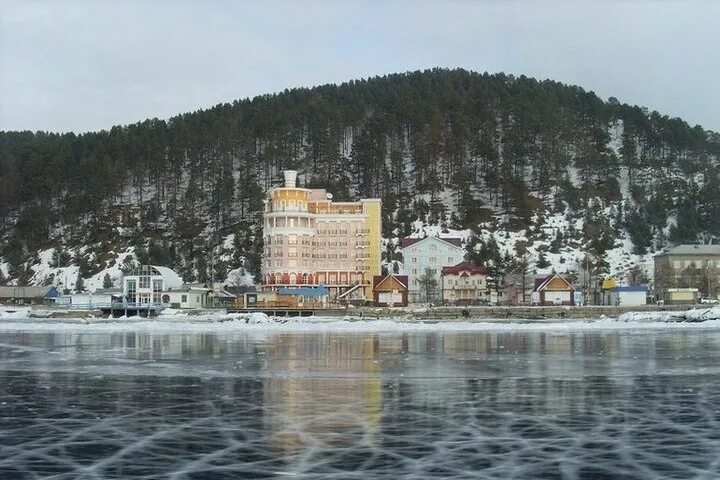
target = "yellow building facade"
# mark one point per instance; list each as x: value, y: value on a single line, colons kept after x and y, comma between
x: 310, y: 240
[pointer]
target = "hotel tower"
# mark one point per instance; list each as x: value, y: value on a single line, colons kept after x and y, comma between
x: 311, y: 240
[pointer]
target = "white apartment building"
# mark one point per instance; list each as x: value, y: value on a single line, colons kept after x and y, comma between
x: 428, y: 254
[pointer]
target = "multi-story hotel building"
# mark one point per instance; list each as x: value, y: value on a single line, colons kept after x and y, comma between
x: 311, y: 240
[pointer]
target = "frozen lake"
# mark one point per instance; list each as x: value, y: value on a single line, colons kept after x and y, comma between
x: 230, y: 401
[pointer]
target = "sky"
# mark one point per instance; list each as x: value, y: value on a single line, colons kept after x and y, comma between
x: 83, y: 65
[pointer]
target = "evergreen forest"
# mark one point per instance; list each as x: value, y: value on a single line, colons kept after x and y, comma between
x: 452, y: 148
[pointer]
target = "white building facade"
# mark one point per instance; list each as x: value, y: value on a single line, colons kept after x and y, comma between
x: 160, y: 286
x: 629, y: 296
x: 430, y: 254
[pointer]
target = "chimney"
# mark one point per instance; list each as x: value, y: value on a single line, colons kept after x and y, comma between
x: 290, y: 176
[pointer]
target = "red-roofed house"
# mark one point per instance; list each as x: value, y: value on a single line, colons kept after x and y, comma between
x: 465, y: 283
x: 390, y: 290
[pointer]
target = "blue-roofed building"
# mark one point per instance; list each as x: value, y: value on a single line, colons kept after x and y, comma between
x: 627, y: 296
x: 317, y: 294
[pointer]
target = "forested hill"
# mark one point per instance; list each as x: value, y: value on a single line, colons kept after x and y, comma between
x: 448, y: 147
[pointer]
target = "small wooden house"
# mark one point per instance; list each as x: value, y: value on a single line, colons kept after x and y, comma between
x: 390, y: 290
x: 553, y: 290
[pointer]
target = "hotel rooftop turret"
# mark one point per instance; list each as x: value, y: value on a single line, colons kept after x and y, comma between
x: 311, y: 240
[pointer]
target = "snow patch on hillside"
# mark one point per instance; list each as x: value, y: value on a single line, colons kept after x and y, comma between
x: 538, y: 238
x: 44, y: 273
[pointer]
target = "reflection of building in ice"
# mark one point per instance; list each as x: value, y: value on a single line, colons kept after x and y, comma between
x: 323, y: 390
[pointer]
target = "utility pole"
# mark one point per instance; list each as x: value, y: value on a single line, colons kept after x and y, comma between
x: 707, y: 277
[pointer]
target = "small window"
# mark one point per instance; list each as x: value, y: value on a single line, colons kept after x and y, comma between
x: 183, y: 299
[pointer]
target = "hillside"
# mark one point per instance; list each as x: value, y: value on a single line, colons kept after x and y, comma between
x: 533, y: 173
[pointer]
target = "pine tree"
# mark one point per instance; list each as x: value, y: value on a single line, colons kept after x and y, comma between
x: 428, y: 284
x: 542, y: 261
x: 79, y: 284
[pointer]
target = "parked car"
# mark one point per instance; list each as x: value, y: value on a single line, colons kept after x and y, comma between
x: 709, y: 301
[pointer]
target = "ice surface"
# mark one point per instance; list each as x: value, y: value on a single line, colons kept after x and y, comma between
x: 247, y: 403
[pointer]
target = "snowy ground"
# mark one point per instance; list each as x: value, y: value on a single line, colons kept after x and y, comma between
x: 17, y: 320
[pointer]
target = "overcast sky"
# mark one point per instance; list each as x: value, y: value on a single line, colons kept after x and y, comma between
x: 88, y: 65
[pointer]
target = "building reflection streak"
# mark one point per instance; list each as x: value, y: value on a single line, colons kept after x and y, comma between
x: 323, y: 391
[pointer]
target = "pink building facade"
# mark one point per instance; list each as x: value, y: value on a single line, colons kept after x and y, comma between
x: 311, y: 240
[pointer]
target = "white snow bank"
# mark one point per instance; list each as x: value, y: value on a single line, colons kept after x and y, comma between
x: 644, y: 317
x: 14, y: 312
x: 702, y: 314
x: 260, y: 322
x: 693, y: 315
x: 172, y: 312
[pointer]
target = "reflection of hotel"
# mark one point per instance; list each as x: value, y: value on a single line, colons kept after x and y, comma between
x: 311, y: 240
x: 310, y: 405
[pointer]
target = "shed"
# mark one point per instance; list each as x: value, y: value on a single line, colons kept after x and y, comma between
x: 390, y: 290
x: 28, y: 295
x: 628, y: 296
x: 679, y: 296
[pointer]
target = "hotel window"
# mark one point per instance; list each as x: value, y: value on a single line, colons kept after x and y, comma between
x: 433, y: 259
x: 414, y: 271
x: 183, y: 298
x: 278, y: 263
x: 292, y: 239
x: 144, y: 282
x: 414, y: 259
x: 450, y: 260
x: 131, y: 289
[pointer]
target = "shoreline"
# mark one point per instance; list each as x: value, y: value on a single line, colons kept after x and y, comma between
x: 407, y: 316
x: 418, y: 313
